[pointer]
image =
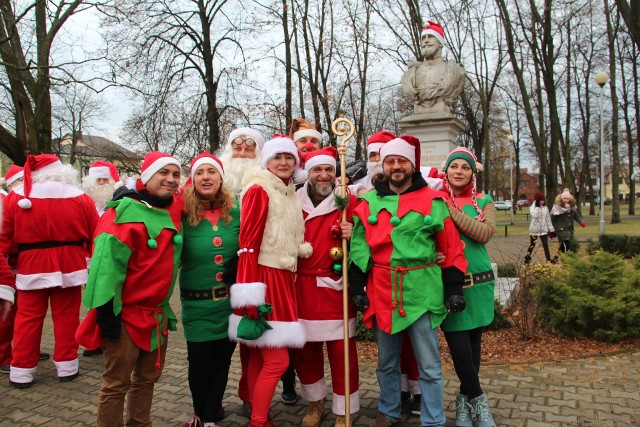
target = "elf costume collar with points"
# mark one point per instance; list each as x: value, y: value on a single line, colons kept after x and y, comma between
x: 136, y: 256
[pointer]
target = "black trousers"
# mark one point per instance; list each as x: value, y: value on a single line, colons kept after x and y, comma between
x: 544, y: 239
x: 209, y: 363
x: 465, y: 348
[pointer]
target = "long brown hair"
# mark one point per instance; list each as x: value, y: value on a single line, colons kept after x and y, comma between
x: 194, y: 210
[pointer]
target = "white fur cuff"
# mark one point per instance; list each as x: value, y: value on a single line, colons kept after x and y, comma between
x: 305, y: 250
x: 7, y: 293
x: 248, y: 294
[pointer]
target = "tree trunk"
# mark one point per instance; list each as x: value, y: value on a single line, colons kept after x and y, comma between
x: 615, y: 157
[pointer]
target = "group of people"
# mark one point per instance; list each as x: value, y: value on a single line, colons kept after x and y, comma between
x: 558, y: 223
x: 253, y: 238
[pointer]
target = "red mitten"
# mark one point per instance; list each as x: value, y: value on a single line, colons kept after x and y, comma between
x: 583, y: 224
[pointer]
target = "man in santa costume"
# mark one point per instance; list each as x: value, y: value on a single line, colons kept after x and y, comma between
x: 263, y: 298
x: 302, y: 132
x: 241, y: 156
x: 137, y: 250
x: 398, y: 229
x: 319, y: 293
x: 52, y: 264
x: 100, y: 183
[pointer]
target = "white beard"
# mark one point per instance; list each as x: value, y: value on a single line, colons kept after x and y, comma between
x: 374, y: 168
x: 100, y: 194
x: 235, y: 170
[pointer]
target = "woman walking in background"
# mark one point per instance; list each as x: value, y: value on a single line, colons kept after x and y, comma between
x: 211, y: 224
x: 563, y: 213
x: 474, y: 216
x: 540, y: 227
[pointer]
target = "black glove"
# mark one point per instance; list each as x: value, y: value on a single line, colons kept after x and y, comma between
x: 110, y: 324
x: 230, y: 271
x: 356, y: 170
x: 453, y: 279
x: 360, y: 302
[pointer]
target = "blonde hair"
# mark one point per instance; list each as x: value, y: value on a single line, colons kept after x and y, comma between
x: 194, y: 211
x: 572, y: 200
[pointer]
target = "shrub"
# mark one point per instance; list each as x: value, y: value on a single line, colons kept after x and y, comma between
x: 500, y: 321
x: 362, y: 332
x: 626, y: 246
x: 596, y: 296
x: 592, y: 247
x: 507, y: 270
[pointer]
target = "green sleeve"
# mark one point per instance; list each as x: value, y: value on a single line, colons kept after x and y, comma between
x: 360, y: 252
x: 107, y: 272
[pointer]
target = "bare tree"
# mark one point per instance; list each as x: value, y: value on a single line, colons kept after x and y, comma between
x: 630, y: 12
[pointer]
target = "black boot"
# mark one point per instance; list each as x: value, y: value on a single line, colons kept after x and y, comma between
x: 289, y: 395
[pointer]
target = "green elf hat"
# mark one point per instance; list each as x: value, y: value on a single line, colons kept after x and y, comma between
x: 464, y: 154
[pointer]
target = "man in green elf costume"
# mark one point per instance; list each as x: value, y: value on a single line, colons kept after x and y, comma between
x: 137, y: 248
x: 398, y: 229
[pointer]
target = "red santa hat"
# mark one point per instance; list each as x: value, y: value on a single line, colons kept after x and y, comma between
x: 105, y: 170
x: 14, y: 173
x: 153, y: 162
x: 378, y: 139
x: 248, y: 132
x: 207, y: 158
x: 324, y: 156
x: 301, y: 128
x: 407, y: 146
x: 40, y: 163
x: 434, y: 29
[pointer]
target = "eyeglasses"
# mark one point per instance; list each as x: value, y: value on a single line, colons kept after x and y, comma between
x: 250, y: 142
x: 401, y: 161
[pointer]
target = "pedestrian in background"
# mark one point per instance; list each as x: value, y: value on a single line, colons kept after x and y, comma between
x: 540, y: 227
x: 563, y: 213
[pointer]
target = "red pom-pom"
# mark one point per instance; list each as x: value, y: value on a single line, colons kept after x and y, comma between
x: 393, y: 305
x: 403, y: 313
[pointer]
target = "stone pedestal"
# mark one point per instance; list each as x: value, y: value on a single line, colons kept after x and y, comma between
x: 438, y: 135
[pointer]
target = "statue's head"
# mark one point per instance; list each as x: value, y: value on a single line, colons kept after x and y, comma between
x: 432, y: 40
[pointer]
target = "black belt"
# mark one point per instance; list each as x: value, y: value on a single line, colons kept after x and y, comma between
x: 46, y: 245
x: 217, y: 293
x: 471, y: 279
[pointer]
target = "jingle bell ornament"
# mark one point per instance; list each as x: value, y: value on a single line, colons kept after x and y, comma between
x: 336, y: 253
x: 336, y: 268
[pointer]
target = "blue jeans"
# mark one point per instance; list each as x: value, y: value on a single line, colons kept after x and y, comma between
x: 424, y: 340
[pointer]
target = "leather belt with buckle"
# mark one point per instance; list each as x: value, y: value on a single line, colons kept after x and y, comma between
x: 471, y: 279
x: 217, y: 293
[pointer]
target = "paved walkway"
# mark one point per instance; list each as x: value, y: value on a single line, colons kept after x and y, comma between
x: 596, y: 391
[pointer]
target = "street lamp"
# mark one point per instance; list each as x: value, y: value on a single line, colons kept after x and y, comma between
x: 601, y: 79
x: 511, y: 138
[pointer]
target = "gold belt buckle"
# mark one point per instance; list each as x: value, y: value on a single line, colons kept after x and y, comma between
x: 220, y: 293
x: 468, y: 280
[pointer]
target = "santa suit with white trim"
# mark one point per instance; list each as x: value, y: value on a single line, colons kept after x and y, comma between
x: 52, y: 262
x: 319, y: 295
x: 271, y: 240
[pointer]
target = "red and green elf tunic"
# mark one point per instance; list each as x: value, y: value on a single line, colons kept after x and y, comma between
x: 135, y: 259
x: 395, y: 239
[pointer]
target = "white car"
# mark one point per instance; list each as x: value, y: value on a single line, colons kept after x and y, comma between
x: 503, y: 205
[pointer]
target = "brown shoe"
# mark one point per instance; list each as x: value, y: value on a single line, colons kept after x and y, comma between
x: 315, y: 414
x: 382, y: 421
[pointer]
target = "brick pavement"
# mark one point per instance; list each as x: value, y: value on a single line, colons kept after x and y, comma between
x: 595, y: 391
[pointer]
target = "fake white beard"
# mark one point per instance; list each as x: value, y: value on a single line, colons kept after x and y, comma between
x: 374, y: 168
x: 65, y: 174
x: 235, y: 170
x: 100, y: 194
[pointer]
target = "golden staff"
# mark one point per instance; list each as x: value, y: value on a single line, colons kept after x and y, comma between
x: 342, y: 127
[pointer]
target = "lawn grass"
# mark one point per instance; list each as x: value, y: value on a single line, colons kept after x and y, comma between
x: 629, y: 225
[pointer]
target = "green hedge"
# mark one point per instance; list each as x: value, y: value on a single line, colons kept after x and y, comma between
x: 626, y: 246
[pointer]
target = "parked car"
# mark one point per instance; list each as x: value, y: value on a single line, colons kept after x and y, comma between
x: 523, y: 203
x: 503, y: 205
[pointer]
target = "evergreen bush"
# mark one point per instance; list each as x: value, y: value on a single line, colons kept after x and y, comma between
x: 362, y: 332
x: 627, y: 246
x: 596, y: 296
x: 500, y: 321
x: 507, y: 270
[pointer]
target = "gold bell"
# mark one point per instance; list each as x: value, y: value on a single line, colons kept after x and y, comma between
x: 336, y: 253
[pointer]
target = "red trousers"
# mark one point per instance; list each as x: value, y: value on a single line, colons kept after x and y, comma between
x: 266, y: 366
x: 6, y: 335
x: 409, y: 366
x: 243, y: 387
x: 309, y: 363
x: 65, y: 313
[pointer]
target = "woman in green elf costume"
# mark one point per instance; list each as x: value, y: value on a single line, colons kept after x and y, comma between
x: 211, y: 224
x: 474, y: 215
